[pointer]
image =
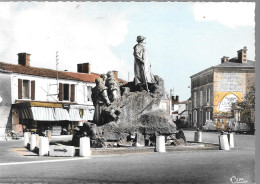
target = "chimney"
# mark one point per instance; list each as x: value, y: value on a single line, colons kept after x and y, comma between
x: 115, y: 73
x: 241, y: 55
x: 24, y: 59
x: 84, y: 68
x: 177, y: 98
x: 224, y: 59
x: 173, y: 98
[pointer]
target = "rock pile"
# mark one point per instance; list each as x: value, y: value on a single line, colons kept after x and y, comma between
x: 133, y: 119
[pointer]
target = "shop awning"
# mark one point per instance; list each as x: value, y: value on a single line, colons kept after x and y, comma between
x: 54, y: 112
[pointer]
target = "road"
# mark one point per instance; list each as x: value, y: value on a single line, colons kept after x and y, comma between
x: 214, y: 166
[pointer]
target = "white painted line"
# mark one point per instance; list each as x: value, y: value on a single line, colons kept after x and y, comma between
x: 44, y: 161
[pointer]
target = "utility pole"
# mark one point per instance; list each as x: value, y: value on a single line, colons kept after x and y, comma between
x: 171, y: 93
x: 57, y: 74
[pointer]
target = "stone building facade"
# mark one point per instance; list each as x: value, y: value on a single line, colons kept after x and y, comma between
x: 214, y: 89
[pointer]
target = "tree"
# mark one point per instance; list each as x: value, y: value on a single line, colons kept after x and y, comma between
x: 247, y: 106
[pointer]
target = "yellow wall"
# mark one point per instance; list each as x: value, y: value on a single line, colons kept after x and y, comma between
x: 219, y: 96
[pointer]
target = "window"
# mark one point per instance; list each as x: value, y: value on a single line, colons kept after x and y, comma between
x: 208, y: 115
x: 201, y: 80
x: 89, y: 88
x: 201, y: 97
x: 208, y: 95
x: 87, y: 93
x: 194, y: 116
x: 26, y: 89
x: 194, y: 97
x: 66, y: 92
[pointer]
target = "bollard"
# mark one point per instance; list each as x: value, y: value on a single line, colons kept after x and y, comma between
x: 231, y: 140
x: 223, y: 142
x: 30, y: 137
x: 37, y: 140
x: 25, y: 139
x: 197, y: 136
x: 84, y: 149
x: 160, y: 144
x: 48, y: 134
x: 43, y: 146
x: 33, y: 142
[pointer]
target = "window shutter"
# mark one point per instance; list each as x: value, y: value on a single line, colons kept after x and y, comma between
x: 20, y: 83
x: 33, y: 90
x: 72, y: 92
x: 60, y: 91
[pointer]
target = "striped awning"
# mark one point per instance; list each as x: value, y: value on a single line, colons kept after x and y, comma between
x: 81, y: 113
x: 45, y: 113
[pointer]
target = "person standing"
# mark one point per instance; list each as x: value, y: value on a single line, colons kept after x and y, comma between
x: 142, y: 69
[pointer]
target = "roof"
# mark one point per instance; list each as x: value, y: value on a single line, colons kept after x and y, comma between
x: 83, y: 76
x: 184, y: 102
x: 232, y: 63
x: 44, y: 72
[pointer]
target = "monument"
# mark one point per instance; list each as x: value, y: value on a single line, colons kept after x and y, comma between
x: 129, y: 114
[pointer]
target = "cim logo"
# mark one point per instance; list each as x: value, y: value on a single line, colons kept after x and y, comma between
x: 226, y: 103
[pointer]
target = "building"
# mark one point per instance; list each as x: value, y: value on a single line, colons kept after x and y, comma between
x: 214, y: 89
x: 38, y: 98
x: 179, y: 112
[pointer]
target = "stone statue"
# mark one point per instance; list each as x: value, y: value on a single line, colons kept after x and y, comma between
x: 142, y: 69
x: 113, y: 87
x: 104, y: 77
x: 99, y: 97
x: 99, y: 92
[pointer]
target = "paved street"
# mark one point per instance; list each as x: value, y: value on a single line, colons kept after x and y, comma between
x: 172, y: 167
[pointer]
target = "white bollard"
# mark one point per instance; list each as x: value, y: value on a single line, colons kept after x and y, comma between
x: 25, y: 139
x: 37, y: 140
x: 160, y: 144
x: 48, y: 134
x: 223, y: 142
x: 231, y: 140
x: 197, y: 136
x: 43, y: 146
x: 84, y: 149
x: 33, y: 142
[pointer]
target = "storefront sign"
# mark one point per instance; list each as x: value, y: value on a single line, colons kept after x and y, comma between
x: 62, y: 151
x: 226, y: 103
x: 56, y: 130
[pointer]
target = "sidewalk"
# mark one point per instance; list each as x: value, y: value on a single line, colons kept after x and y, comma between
x: 13, y: 151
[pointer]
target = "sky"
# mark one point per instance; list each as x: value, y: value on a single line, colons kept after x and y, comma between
x: 183, y: 38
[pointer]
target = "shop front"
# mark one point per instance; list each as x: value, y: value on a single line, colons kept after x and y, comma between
x: 60, y: 118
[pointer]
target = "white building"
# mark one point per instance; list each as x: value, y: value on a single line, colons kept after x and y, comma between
x: 39, y: 98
